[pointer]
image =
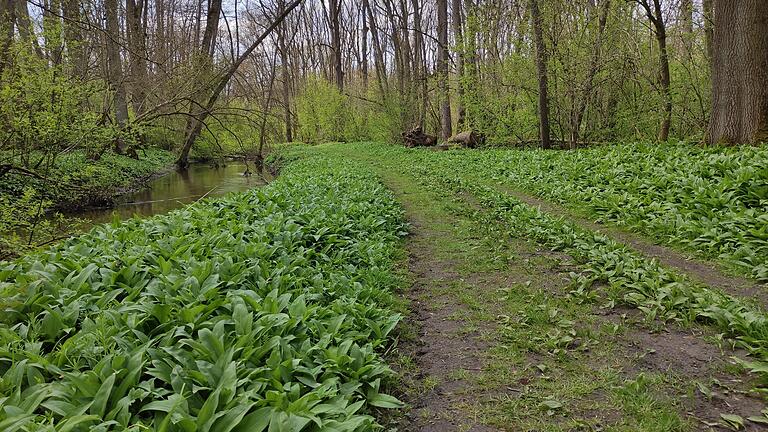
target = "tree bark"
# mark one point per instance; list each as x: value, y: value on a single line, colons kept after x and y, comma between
x: 685, y: 17
x: 211, y: 28
x: 378, y: 52
x: 541, y: 70
x: 136, y: 53
x: 442, y: 69
x: 656, y: 17
x: 740, y: 73
x: 115, y: 69
x: 456, y: 12
x: 285, y: 76
x: 338, y: 71
x: 73, y: 39
x: 7, y: 20
x: 708, y: 29
x: 364, y: 49
x: 419, y: 67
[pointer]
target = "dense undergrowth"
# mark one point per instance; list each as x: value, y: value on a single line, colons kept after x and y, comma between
x: 74, y: 180
x: 713, y: 202
x: 260, y: 310
x: 623, y: 276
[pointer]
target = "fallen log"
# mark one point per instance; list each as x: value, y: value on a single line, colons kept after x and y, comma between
x: 469, y: 139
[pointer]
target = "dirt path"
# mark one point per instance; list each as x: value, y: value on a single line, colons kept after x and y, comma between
x: 699, y: 270
x: 499, y: 345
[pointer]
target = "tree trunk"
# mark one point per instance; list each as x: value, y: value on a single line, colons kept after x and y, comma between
x: 198, y: 116
x: 740, y: 73
x: 419, y: 67
x: 541, y: 69
x: 594, y: 63
x: 285, y: 76
x: 456, y: 12
x: 7, y: 20
x: 136, y: 53
x: 73, y: 38
x: 24, y: 26
x: 656, y: 17
x: 211, y: 28
x: 442, y: 69
x: 685, y: 17
x: 115, y: 69
x: 338, y: 71
x: 364, y: 49
x: 378, y: 52
x: 708, y: 29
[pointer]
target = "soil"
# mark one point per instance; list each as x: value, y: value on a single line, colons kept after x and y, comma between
x: 699, y: 270
x: 441, y: 400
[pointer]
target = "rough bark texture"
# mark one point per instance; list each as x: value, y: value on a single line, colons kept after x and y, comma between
x: 442, y: 69
x: 541, y: 70
x: 740, y: 73
x: 417, y: 138
x: 378, y: 52
x: 469, y: 139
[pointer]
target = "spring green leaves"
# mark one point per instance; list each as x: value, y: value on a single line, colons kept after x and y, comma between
x: 259, y: 311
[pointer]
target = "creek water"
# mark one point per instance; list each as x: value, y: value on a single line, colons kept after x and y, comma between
x: 176, y: 189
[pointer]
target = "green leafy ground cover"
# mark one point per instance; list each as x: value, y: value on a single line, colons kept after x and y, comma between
x: 610, y: 271
x: 73, y: 179
x: 712, y: 201
x: 262, y: 310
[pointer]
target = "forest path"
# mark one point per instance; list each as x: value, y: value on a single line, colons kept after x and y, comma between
x: 706, y: 272
x: 494, y: 341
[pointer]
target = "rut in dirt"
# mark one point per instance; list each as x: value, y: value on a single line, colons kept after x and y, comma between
x: 452, y: 351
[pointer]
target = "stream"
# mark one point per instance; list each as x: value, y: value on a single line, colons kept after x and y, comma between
x: 176, y: 189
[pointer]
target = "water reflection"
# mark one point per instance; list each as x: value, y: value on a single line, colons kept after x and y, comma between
x: 177, y: 189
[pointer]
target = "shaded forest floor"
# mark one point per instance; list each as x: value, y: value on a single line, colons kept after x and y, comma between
x: 496, y: 342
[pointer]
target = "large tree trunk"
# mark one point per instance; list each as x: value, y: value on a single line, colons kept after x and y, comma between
x: 541, y: 70
x: 115, y: 69
x: 442, y: 69
x: 24, y: 26
x: 740, y: 73
x: 338, y: 71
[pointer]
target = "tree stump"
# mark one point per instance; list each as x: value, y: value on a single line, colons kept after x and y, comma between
x: 417, y: 138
